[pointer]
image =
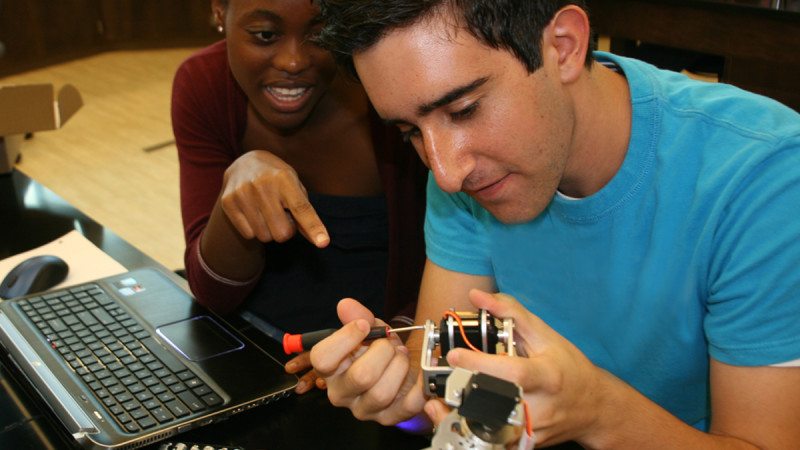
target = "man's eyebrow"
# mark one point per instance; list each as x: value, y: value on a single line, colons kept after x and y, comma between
x: 451, y: 96
x: 394, y: 122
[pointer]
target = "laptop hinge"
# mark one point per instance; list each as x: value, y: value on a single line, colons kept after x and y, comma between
x: 45, y: 381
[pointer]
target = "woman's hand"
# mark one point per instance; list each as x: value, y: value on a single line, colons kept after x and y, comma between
x: 264, y: 199
x: 309, y: 379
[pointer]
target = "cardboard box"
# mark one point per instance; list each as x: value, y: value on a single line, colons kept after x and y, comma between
x: 30, y: 108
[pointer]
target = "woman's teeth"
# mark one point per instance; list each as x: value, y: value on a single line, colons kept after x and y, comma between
x: 287, y: 94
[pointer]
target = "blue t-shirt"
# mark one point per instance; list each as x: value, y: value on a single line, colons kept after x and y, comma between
x: 691, y: 250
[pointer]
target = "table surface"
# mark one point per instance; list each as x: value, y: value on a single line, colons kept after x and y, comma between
x: 33, y: 215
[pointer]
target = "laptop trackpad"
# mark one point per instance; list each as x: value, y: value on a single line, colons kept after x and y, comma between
x: 199, y: 338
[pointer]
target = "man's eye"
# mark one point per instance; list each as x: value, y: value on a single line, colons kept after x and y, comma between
x: 409, y: 134
x: 464, y: 113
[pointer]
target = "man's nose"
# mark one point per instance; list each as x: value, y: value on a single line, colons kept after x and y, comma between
x: 292, y: 56
x: 445, y: 152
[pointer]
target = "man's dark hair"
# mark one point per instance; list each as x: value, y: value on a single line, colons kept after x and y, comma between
x: 352, y: 26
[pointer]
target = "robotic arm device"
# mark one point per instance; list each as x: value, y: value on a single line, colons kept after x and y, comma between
x: 488, y: 411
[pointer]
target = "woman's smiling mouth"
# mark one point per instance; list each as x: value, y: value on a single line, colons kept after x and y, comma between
x: 288, y: 99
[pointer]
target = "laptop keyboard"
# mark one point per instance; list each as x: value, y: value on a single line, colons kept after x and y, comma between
x: 139, y: 383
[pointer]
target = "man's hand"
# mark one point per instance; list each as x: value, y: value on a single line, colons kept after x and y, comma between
x: 562, y: 387
x: 374, y: 382
x: 264, y: 199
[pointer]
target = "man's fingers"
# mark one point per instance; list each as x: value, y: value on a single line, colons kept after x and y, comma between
x: 349, y: 310
x: 515, y: 369
x: 500, y: 305
x: 386, y: 384
x: 329, y: 353
x: 436, y: 410
x: 504, y: 306
x: 371, y: 364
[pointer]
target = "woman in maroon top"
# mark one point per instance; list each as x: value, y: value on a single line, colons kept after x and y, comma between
x: 293, y: 193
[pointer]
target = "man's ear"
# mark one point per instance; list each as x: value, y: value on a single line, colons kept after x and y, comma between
x: 569, y: 35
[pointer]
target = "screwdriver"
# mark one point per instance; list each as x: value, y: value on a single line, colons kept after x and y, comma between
x: 298, y: 343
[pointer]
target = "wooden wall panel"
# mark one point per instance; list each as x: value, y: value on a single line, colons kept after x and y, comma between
x: 37, y: 33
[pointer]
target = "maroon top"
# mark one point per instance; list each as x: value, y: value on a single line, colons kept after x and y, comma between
x: 209, y: 115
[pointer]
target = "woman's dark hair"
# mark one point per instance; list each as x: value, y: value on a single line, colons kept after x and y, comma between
x: 352, y: 26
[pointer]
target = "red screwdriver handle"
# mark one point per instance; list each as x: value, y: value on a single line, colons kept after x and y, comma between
x: 298, y: 343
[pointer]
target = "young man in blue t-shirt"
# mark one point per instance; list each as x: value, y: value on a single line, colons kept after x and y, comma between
x: 640, y: 226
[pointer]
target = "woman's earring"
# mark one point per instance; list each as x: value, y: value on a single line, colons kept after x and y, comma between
x: 220, y: 29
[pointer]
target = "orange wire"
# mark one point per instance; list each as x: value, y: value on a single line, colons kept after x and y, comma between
x: 528, y: 420
x: 461, y: 328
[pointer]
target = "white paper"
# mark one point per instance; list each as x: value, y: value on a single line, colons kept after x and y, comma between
x: 86, y: 262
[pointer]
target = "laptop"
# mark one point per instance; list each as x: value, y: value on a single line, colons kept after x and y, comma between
x: 132, y: 359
